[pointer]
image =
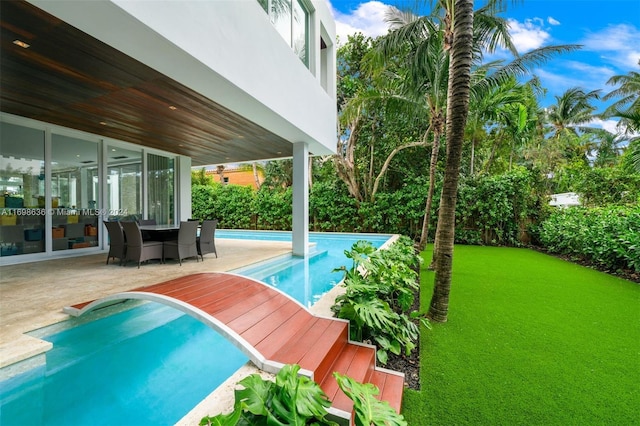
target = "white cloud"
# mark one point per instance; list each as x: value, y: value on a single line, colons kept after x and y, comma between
x: 368, y: 19
x: 610, y: 126
x: 553, y: 21
x: 617, y: 44
x: 528, y: 35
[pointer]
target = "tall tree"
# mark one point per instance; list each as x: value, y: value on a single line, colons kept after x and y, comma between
x: 573, y: 109
x: 374, y: 105
x: 627, y: 108
x: 570, y: 117
x: 457, y: 109
x: 422, y: 43
x: 628, y: 99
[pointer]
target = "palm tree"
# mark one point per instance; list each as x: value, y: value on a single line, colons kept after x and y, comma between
x: 629, y: 99
x: 627, y: 108
x: 608, y: 150
x: 457, y: 110
x: 424, y: 42
x: 573, y: 109
x: 462, y: 53
x: 508, y: 107
x: 427, y: 62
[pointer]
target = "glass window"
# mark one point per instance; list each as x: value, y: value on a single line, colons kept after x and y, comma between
x: 160, y: 184
x: 281, y: 18
x: 75, y: 192
x: 291, y: 19
x: 300, y: 30
x: 124, y: 182
x: 22, y: 188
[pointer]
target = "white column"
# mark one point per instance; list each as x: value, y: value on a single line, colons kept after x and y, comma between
x: 300, y: 199
x: 183, y: 186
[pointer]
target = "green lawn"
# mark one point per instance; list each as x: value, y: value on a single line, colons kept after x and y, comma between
x: 531, y: 340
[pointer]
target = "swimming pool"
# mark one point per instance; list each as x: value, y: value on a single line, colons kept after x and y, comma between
x: 152, y: 364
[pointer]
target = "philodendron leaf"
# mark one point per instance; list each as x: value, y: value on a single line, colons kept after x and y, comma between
x: 367, y: 408
x: 230, y: 419
x: 255, y: 394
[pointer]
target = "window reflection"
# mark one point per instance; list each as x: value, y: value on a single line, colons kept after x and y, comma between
x: 291, y: 19
x: 74, y: 192
x: 124, y: 183
x: 300, y: 30
x: 21, y: 189
x: 160, y: 188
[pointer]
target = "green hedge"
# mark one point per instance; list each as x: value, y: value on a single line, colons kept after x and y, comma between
x: 491, y: 210
x: 498, y: 209
x: 605, y: 236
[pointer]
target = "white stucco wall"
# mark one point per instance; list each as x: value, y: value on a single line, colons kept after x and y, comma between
x: 228, y: 51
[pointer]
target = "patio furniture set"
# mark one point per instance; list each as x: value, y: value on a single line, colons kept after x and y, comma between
x: 140, y: 242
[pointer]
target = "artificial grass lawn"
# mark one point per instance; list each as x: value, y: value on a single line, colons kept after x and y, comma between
x: 530, y: 340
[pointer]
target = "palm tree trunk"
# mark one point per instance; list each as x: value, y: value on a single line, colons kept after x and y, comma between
x: 432, y: 179
x: 457, y: 111
x: 256, y: 177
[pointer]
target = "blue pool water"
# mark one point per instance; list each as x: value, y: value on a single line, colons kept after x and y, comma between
x: 151, y: 364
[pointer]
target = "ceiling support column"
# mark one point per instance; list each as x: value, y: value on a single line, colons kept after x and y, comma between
x: 300, y: 225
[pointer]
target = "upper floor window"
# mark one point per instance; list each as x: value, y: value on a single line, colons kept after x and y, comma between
x: 291, y: 19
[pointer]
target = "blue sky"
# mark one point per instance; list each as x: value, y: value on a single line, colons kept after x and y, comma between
x: 608, y: 30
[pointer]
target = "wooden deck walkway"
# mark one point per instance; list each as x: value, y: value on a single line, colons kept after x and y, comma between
x: 272, y: 329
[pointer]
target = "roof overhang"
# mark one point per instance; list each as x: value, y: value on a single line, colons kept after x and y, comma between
x: 72, y: 79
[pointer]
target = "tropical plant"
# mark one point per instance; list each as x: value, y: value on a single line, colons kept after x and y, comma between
x: 377, y: 121
x: 379, y: 295
x: 278, y: 174
x: 368, y: 410
x: 420, y: 41
x: 627, y: 108
x: 628, y: 99
x: 292, y: 399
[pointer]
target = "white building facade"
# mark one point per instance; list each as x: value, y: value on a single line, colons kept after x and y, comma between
x: 252, y: 81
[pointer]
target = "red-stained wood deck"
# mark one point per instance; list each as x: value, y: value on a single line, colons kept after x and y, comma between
x: 272, y: 329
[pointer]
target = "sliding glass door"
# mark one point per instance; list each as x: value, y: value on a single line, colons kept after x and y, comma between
x: 160, y: 188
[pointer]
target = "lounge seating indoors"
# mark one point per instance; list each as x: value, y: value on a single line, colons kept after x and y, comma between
x: 206, y: 242
x: 185, y: 246
x: 138, y: 250
x: 117, y: 244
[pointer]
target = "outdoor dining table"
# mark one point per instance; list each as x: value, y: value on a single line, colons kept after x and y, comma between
x: 160, y: 232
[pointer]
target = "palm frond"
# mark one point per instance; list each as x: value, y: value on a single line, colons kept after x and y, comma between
x: 491, y: 31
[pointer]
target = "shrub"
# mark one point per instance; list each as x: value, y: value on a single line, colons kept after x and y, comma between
x: 379, y: 297
x: 496, y: 209
x: 290, y: 400
x: 297, y: 400
x: 608, y: 237
x: 274, y: 209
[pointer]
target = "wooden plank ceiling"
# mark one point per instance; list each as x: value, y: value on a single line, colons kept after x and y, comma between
x: 68, y: 78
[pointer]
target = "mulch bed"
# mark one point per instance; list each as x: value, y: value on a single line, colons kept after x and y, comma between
x: 409, y: 365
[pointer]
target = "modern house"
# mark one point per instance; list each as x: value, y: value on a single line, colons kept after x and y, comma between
x: 105, y: 105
